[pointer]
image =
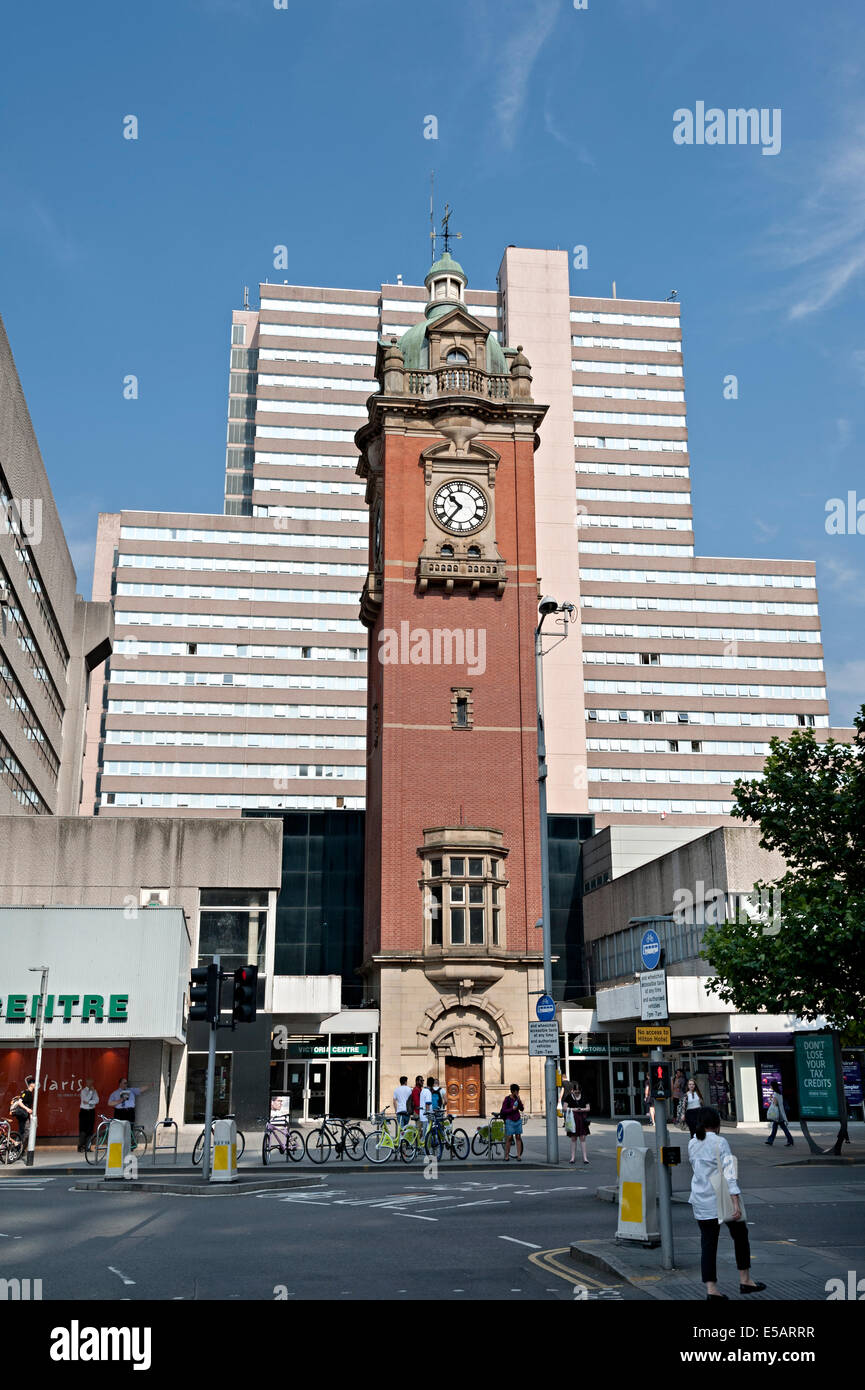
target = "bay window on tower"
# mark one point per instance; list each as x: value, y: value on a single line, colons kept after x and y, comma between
x: 463, y: 888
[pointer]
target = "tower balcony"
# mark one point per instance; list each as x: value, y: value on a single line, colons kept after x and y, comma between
x: 459, y: 381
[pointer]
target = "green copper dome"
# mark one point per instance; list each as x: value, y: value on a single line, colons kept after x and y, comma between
x: 446, y: 265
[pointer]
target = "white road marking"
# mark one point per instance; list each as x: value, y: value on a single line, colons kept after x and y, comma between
x: 120, y: 1275
x: 486, y: 1202
x: 412, y: 1217
x: 514, y: 1241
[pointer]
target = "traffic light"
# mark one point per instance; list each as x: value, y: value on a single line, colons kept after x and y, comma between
x: 659, y: 1076
x: 204, y: 993
x: 245, y: 991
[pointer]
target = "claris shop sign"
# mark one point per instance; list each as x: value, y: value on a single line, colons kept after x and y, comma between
x: 22, y: 1008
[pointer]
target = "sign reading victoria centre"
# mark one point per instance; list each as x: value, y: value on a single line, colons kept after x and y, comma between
x: 111, y: 977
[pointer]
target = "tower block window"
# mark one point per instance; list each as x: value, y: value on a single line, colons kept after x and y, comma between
x: 462, y: 707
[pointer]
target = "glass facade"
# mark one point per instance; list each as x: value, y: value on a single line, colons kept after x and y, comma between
x: 566, y: 835
x: 319, y: 908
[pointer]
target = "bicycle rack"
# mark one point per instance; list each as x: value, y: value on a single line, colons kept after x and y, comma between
x: 171, y: 1145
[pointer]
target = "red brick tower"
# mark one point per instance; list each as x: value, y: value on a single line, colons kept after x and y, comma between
x: 453, y: 887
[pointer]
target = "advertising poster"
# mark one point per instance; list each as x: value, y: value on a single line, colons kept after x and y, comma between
x: 64, y: 1070
x: 770, y: 1076
x: 853, y: 1083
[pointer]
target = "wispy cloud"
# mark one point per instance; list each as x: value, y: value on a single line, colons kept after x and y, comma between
x: 552, y: 127
x: 764, y: 530
x: 515, y: 62
x: 823, y: 243
x: 845, y: 578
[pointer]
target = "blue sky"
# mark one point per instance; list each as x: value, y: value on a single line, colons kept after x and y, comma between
x: 304, y: 126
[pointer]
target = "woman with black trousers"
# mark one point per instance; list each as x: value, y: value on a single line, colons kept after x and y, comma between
x: 709, y: 1154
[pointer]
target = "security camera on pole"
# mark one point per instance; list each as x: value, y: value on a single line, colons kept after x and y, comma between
x: 546, y: 608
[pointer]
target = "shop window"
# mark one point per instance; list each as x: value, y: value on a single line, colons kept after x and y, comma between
x: 233, y: 925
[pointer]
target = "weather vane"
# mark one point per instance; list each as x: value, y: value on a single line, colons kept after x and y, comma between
x: 447, y: 234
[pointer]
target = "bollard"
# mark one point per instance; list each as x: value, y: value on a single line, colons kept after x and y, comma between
x: 638, y: 1198
x: 224, y: 1151
x: 629, y: 1135
x: 118, y: 1149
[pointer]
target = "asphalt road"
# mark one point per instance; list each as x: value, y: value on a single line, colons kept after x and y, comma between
x: 388, y: 1234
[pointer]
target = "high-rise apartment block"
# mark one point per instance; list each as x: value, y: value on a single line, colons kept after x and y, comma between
x: 50, y: 638
x: 238, y: 679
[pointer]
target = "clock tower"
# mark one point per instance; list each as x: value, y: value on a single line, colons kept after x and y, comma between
x: 452, y: 878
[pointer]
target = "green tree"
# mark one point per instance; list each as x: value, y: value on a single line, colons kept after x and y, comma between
x: 810, y: 960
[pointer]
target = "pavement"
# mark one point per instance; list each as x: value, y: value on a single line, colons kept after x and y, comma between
x: 342, y: 1231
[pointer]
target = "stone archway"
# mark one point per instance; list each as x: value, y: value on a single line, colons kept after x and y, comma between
x: 465, y: 1039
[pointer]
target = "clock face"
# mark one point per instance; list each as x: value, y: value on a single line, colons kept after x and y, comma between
x: 460, y: 507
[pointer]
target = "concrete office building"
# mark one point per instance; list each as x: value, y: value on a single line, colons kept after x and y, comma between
x: 51, y: 640
x: 680, y: 669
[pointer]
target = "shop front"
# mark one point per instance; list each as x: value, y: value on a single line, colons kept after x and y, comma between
x: 328, y: 1072
x: 113, y: 1006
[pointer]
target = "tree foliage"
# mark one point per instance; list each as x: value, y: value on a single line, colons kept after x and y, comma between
x: 810, y: 806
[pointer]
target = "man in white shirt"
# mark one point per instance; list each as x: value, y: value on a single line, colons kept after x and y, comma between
x: 401, y: 1094
x: 426, y: 1106
x: 88, y: 1099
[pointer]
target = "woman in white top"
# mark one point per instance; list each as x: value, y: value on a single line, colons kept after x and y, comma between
x: 690, y: 1106
x: 708, y: 1154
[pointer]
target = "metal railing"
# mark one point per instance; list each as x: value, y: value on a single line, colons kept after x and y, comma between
x: 461, y: 381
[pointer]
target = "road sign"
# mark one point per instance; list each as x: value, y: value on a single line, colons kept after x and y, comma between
x: 543, y: 1039
x: 653, y: 1037
x: 650, y: 949
x: 546, y: 1008
x: 653, y: 996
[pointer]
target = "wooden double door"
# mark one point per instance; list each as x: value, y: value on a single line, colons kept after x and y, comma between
x: 463, y: 1083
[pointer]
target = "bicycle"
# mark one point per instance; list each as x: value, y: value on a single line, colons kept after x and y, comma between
x: 198, y: 1146
x: 489, y: 1138
x: 443, y: 1136
x: 11, y: 1143
x: 97, y: 1145
x: 278, y: 1135
x: 383, y: 1142
x: 348, y: 1139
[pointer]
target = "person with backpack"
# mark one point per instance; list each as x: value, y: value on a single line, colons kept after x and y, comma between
x: 22, y: 1106
x: 414, y: 1109
x: 715, y: 1201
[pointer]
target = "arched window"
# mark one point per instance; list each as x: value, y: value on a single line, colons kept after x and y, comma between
x: 474, y: 552
x: 457, y: 358
x: 447, y: 551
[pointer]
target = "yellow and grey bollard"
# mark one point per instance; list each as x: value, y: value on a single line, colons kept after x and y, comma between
x: 119, y: 1148
x: 638, y: 1198
x: 224, y: 1151
x: 629, y: 1135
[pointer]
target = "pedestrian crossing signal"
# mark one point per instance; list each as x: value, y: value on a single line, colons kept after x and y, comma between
x: 660, y: 1079
x: 245, y: 992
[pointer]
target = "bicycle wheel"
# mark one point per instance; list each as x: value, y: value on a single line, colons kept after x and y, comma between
x: 481, y: 1144
x: 266, y: 1145
x: 434, y: 1143
x: 376, y: 1151
x: 407, y: 1150
x: 459, y: 1147
x: 294, y: 1147
x: 140, y: 1139
x: 96, y: 1146
x: 355, y: 1139
x: 241, y: 1143
x: 318, y: 1145
x: 198, y: 1149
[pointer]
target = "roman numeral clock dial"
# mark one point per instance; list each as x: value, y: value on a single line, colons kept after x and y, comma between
x: 460, y: 507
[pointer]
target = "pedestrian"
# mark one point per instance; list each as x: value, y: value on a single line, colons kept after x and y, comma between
x: 414, y: 1103
x: 401, y: 1098
x: 575, y: 1109
x: 22, y: 1106
x: 677, y: 1090
x: 648, y: 1101
x: 88, y: 1099
x: 438, y: 1099
x: 512, y: 1114
x: 778, y: 1117
x: 425, y: 1103
x: 690, y: 1106
x: 715, y: 1199
x: 124, y: 1099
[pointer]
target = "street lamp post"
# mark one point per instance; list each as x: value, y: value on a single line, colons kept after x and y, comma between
x: 40, y: 1019
x: 547, y: 607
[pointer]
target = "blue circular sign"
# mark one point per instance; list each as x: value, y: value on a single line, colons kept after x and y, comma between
x: 620, y: 1133
x: 546, y: 1008
x: 650, y: 949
